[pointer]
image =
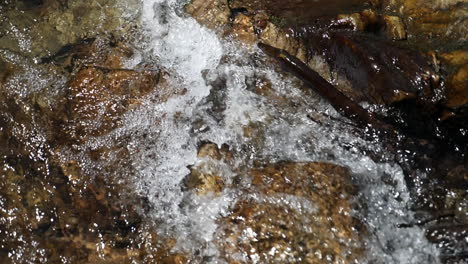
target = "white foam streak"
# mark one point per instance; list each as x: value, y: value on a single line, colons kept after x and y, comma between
x: 192, y: 55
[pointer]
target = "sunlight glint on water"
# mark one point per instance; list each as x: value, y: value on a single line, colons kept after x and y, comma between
x: 192, y: 55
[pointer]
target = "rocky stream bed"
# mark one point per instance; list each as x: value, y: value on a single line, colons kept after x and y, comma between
x: 156, y: 131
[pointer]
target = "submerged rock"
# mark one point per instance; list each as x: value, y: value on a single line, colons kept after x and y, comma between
x: 54, y: 208
x: 41, y: 28
x: 295, y: 213
x: 208, y: 175
x: 456, y: 92
x: 99, y: 90
x: 98, y: 96
x: 53, y: 212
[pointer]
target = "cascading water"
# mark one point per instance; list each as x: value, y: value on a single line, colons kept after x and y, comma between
x: 217, y: 105
x: 196, y: 58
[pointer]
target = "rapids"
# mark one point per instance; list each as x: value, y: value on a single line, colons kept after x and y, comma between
x: 197, y: 57
x: 217, y: 105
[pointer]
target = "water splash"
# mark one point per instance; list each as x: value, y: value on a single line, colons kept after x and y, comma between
x: 218, y: 106
x: 194, y: 55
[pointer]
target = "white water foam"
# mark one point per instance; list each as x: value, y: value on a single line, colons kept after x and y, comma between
x: 163, y: 138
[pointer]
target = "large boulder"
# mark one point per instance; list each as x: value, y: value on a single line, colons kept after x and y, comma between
x: 294, y: 213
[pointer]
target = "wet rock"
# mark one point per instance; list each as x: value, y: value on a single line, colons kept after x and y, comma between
x: 203, y: 181
x: 367, y: 20
x: 378, y: 77
x: 293, y: 212
x: 370, y: 21
x: 366, y: 62
x: 432, y: 23
x: 97, y: 97
x: 456, y: 57
x: 395, y: 28
x: 212, y: 151
x: 41, y: 28
x: 453, y: 238
x: 56, y: 207
x: 6, y: 69
x: 355, y: 60
x: 243, y: 29
x: 232, y: 19
x: 457, y: 91
x: 213, y: 14
x: 299, y: 11
x: 105, y: 52
x: 456, y: 202
x: 209, y: 150
x: 208, y: 175
x: 98, y: 92
x: 52, y: 211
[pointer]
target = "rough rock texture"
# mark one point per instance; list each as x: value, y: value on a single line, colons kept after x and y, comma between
x: 433, y: 22
x: 457, y: 93
x: 41, y: 28
x: 286, y: 212
x: 53, y: 212
x: 206, y: 176
x: 99, y: 90
x: 406, y: 54
x: 56, y: 92
x: 294, y: 213
x: 214, y: 13
x: 256, y: 21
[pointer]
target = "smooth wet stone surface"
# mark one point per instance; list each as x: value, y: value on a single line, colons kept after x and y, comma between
x: 300, y: 10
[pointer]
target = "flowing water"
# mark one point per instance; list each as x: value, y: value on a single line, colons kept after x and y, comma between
x: 195, y: 56
x: 163, y: 138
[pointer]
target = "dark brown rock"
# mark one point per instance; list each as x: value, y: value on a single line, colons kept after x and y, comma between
x: 379, y: 72
x: 300, y: 10
x: 51, y: 210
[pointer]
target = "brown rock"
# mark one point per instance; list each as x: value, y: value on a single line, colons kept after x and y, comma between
x: 299, y: 10
x: 379, y: 72
x: 6, y: 69
x: 213, y: 13
x: 455, y: 58
x: 204, y: 182
x: 59, y: 211
x: 206, y: 176
x: 394, y: 75
x: 394, y: 27
x: 209, y: 150
x: 64, y: 214
x: 98, y: 96
x: 265, y: 226
x: 457, y: 90
x: 243, y: 29
x: 53, y: 24
x: 435, y: 23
